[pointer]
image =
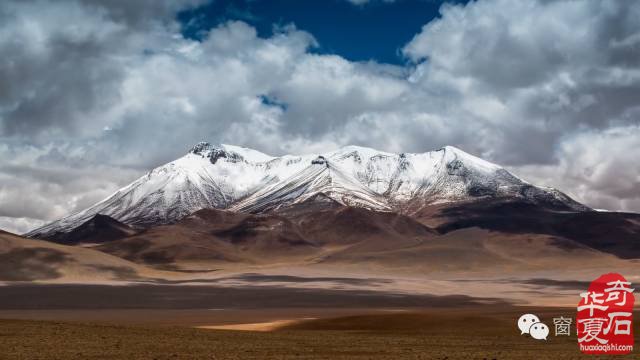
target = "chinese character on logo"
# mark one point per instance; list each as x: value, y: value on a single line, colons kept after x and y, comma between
x: 563, y: 326
x: 605, y: 317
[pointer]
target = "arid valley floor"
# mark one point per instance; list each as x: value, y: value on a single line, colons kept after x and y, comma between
x: 451, y: 296
x: 445, y: 333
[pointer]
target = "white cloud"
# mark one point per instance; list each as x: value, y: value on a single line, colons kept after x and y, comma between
x: 526, y: 84
x: 596, y: 167
x: 19, y: 225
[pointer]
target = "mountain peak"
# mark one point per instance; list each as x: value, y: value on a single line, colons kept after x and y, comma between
x: 231, y: 152
x: 320, y: 160
x: 453, y: 154
x: 215, y: 152
x: 204, y: 148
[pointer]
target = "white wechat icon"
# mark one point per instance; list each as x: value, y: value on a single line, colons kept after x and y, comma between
x: 530, y: 324
x: 525, y: 322
x: 539, y: 331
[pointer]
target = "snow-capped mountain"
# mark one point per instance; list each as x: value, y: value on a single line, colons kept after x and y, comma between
x: 242, y: 179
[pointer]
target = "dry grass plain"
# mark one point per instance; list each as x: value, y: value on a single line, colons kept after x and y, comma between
x: 467, y: 333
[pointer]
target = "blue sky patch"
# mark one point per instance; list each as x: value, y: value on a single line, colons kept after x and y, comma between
x: 373, y: 31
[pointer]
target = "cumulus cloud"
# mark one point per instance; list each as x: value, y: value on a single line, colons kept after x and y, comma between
x: 41, y: 183
x: 537, y: 70
x: 598, y: 167
x: 95, y: 93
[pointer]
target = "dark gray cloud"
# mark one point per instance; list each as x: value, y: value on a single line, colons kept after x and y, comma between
x: 64, y: 62
x: 94, y: 93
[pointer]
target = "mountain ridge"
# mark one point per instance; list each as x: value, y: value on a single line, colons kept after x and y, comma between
x: 232, y: 177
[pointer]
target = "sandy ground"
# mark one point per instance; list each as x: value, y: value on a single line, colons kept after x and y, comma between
x: 444, y: 333
x: 469, y: 264
x: 454, y: 298
x: 193, y: 317
x: 261, y: 326
x: 311, y: 286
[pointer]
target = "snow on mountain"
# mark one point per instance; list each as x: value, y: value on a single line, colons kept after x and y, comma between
x: 227, y: 176
x: 247, y: 154
x: 208, y: 176
x: 320, y: 179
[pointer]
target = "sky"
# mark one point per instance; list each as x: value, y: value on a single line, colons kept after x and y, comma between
x: 93, y: 93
